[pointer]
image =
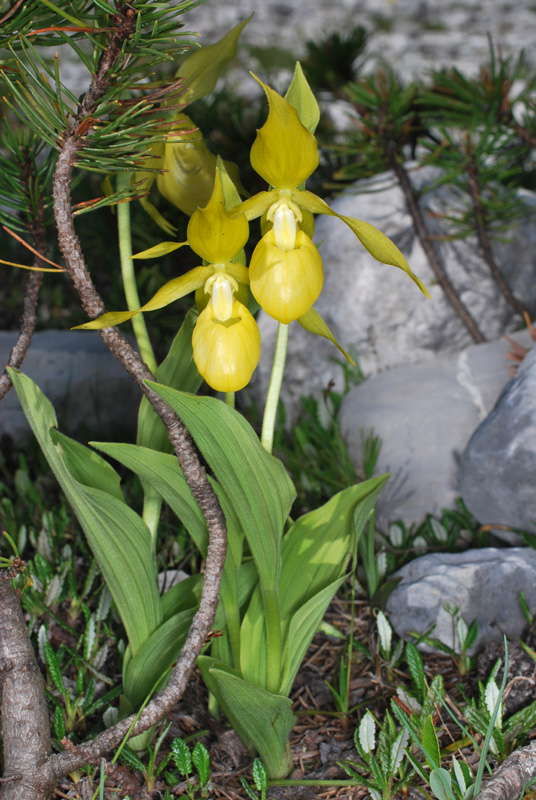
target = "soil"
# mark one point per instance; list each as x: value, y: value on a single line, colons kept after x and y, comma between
x: 321, y: 737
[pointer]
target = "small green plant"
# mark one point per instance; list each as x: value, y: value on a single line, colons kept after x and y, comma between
x: 421, y: 699
x: 463, y: 639
x: 391, y: 655
x: 186, y: 761
x: 260, y: 780
x: 458, y: 783
x: 383, y: 768
x: 74, y: 701
x: 507, y: 734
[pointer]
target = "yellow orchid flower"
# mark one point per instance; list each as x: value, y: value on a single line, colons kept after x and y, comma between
x: 285, y: 154
x: 226, y: 340
x: 190, y: 167
x: 286, y: 281
x: 226, y: 351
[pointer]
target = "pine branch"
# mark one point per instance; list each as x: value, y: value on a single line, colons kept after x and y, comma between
x: 29, y: 313
x: 509, y: 781
x: 481, y: 228
x: 430, y: 252
x: 25, y: 723
x: 71, y: 146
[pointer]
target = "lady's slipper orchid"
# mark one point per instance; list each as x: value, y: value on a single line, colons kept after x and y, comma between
x: 226, y: 351
x: 285, y: 154
x: 226, y: 340
x: 190, y: 168
x: 286, y: 280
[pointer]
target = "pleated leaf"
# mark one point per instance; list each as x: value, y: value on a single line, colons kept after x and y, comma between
x: 118, y: 537
x: 256, y: 483
x: 262, y: 720
x: 163, y: 473
x: 149, y: 669
x: 317, y: 548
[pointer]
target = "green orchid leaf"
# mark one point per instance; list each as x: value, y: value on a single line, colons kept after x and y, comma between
x: 262, y: 720
x: 313, y: 322
x: 284, y: 152
x: 201, y: 70
x: 149, y: 669
x: 301, y: 97
x: 256, y: 483
x: 156, y: 216
x: 168, y: 293
x: 87, y: 467
x: 119, y: 539
x: 159, y: 250
x: 231, y: 597
x: 253, y: 642
x: 177, y: 370
x: 162, y: 472
x: 318, y: 546
x: 303, y: 626
x: 182, y: 595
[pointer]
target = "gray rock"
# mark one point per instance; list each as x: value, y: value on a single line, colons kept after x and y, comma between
x: 425, y: 414
x: 413, y: 35
x: 90, y: 391
x: 498, y: 466
x: 378, y: 311
x: 484, y: 584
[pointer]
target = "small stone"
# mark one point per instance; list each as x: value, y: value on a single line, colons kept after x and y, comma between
x: 483, y: 584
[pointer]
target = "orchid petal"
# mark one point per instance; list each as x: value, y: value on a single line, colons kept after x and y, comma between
x: 159, y: 250
x: 313, y: 322
x: 213, y: 234
x: 257, y: 205
x: 377, y: 243
x: 172, y: 290
x: 284, y: 153
x: 226, y: 353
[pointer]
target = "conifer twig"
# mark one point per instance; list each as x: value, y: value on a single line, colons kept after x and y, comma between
x: 430, y: 253
x: 38, y: 780
x: 480, y: 218
x: 29, y: 311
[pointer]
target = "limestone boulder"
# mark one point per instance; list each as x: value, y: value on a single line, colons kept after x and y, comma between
x: 90, y: 391
x: 483, y: 584
x: 377, y: 311
x: 498, y: 467
x: 425, y: 415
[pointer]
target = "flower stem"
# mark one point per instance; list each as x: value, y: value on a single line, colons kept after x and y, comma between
x: 274, y: 390
x: 230, y: 399
x: 129, y: 278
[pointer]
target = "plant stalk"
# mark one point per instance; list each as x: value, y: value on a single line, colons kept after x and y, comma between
x: 274, y: 389
x: 129, y: 277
